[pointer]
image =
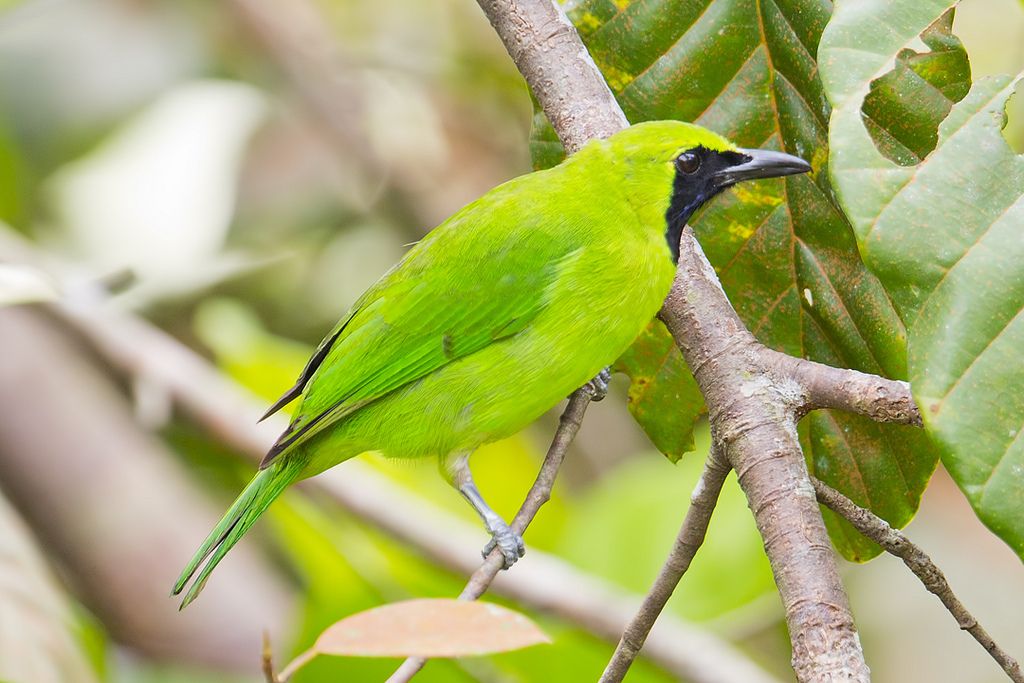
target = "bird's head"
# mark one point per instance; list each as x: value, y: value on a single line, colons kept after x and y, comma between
x: 669, y: 169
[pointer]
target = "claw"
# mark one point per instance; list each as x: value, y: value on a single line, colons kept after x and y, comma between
x: 456, y: 468
x: 598, y: 386
x: 509, y: 542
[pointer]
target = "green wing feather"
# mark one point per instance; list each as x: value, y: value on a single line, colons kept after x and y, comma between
x: 427, y: 312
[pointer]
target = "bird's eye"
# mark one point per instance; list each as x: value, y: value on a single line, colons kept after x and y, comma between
x: 688, y: 162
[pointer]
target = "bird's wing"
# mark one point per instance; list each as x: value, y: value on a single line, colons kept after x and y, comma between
x: 427, y: 312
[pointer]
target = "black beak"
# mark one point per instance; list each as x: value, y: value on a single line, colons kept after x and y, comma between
x: 761, y: 163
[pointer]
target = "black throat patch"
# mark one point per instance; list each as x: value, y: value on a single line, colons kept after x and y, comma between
x: 691, y: 190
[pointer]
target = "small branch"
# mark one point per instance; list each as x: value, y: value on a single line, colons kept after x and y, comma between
x: 540, y: 493
x: 896, y: 543
x: 881, y: 399
x: 691, y: 536
x: 267, y: 660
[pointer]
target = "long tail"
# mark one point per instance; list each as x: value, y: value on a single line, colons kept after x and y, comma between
x: 250, y: 504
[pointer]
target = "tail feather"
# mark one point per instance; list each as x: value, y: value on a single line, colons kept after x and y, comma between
x: 257, y: 496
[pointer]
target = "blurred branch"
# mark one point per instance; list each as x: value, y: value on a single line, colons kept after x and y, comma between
x: 115, y: 506
x: 918, y: 562
x: 299, y: 40
x: 688, y: 541
x: 38, y: 639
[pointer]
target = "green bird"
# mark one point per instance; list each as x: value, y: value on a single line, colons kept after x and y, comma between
x: 500, y: 312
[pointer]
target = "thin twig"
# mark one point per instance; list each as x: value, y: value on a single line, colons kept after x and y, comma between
x: 293, y: 666
x: 918, y: 562
x: 824, y: 386
x: 691, y: 536
x: 267, y: 660
x: 539, y: 493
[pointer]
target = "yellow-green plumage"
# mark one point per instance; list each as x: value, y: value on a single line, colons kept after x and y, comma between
x: 499, y: 313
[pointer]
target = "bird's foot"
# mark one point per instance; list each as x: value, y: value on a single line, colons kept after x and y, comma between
x: 598, y: 387
x: 509, y: 542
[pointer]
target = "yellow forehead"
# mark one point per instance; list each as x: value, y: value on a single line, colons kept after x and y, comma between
x: 664, y: 140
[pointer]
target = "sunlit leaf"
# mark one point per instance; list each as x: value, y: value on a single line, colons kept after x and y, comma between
x: 430, y: 627
x: 427, y: 627
x: 158, y: 196
x: 945, y: 238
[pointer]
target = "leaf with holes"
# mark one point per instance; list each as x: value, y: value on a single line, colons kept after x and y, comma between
x: 783, y: 248
x: 946, y: 238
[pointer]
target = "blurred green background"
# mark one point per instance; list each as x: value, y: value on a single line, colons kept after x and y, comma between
x: 238, y: 173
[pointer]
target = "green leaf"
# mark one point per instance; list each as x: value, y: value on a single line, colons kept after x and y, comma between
x: 663, y: 396
x: 783, y: 249
x: 946, y: 238
x: 904, y: 107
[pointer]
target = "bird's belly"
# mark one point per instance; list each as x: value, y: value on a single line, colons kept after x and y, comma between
x: 500, y: 389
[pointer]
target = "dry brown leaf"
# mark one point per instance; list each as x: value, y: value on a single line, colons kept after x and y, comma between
x: 430, y: 627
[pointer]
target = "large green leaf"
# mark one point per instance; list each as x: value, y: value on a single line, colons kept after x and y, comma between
x: 783, y: 249
x: 663, y: 396
x: 946, y: 238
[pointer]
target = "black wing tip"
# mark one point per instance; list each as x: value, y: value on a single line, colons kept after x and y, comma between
x: 282, y: 443
x: 287, y: 398
x: 307, y: 374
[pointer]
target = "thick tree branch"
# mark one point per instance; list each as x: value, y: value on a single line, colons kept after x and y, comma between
x: 560, y: 71
x: 753, y: 412
x: 688, y: 541
x: 918, y: 562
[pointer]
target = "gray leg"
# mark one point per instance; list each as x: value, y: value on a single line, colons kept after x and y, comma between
x: 456, y: 470
x: 598, y: 386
